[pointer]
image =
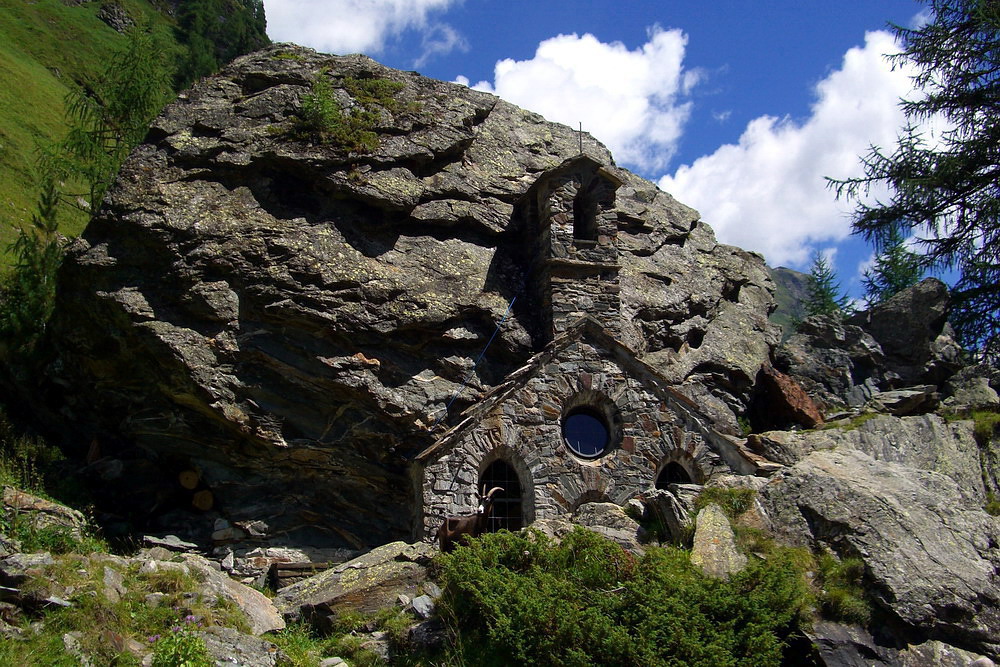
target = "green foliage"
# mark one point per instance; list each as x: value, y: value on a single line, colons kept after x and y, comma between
x: 849, y: 424
x: 517, y: 599
x: 180, y: 647
x: 102, y: 624
x: 37, y: 73
x: 945, y: 189
x: 110, y: 116
x: 27, y: 291
x: 986, y: 422
x: 321, y: 118
x: 842, y: 594
x: 55, y: 539
x: 824, y: 293
x: 895, y: 269
x: 215, y: 32
x: 733, y: 502
x: 992, y: 506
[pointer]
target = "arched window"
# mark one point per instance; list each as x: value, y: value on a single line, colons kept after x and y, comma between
x: 672, y: 473
x: 507, y: 503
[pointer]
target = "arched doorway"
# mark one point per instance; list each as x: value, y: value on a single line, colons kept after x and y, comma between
x: 672, y: 473
x: 507, y: 512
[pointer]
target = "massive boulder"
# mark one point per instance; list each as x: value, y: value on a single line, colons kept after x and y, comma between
x: 931, y: 554
x: 290, y: 319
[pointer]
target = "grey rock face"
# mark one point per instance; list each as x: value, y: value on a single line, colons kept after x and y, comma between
x: 903, y: 342
x: 915, y: 337
x: 836, y: 363
x: 610, y: 520
x: 931, y: 557
x: 925, y: 442
x: 289, y: 318
x: 228, y: 646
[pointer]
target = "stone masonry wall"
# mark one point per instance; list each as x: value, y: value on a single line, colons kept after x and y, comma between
x: 526, y: 432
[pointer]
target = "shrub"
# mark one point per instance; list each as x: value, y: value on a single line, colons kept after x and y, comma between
x: 992, y: 506
x: 516, y: 598
x: 180, y: 647
x: 321, y: 118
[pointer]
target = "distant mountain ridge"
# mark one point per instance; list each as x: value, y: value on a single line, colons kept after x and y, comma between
x: 791, y: 292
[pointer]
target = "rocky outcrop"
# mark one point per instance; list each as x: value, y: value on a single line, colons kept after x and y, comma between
x: 606, y: 519
x: 925, y: 442
x: 903, y: 342
x: 367, y: 583
x: 931, y: 555
x: 913, y: 332
x: 289, y: 318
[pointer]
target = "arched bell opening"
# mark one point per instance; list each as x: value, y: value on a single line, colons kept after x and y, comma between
x: 508, y: 509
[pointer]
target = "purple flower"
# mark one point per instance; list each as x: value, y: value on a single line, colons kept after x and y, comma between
x: 152, y: 639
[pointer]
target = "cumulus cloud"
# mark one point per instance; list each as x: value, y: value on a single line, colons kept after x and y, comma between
x: 631, y: 100
x: 767, y: 193
x: 359, y: 26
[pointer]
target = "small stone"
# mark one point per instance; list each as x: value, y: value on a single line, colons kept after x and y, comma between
x: 114, y: 585
x: 403, y: 600
x: 423, y: 606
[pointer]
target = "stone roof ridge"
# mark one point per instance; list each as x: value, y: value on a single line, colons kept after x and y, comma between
x: 585, y: 325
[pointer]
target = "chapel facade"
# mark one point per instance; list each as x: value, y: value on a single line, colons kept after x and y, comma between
x: 585, y: 419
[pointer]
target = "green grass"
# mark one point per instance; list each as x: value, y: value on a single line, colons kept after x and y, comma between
x: 47, y: 47
x: 101, y: 622
x: 733, y: 502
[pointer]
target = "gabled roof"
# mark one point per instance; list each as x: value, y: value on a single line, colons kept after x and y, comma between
x: 576, y: 162
x: 731, y: 449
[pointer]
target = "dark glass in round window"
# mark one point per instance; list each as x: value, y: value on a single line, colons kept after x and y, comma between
x: 585, y: 433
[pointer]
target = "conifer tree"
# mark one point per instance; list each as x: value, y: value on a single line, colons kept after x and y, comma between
x: 824, y: 293
x: 895, y: 269
x: 947, y: 191
x: 27, y: 291
x: 110, y: 116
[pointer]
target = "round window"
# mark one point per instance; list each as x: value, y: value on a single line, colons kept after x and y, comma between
x: 586, y: 433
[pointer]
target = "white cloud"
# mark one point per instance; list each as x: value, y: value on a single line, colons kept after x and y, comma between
x: 629, y: 99
x: 768, y: 193
x: 440, y: 39
x: 358, y: 26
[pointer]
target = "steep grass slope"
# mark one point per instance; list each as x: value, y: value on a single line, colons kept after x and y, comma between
x: 48, y: 47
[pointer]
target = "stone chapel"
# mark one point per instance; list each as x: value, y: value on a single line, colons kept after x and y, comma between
x: 585, y: 420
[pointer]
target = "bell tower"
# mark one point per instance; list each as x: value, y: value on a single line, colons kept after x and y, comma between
x: 572, y: 230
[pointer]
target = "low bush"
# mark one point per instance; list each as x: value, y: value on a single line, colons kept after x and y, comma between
x: 518, y: 599
x: 842, y: 593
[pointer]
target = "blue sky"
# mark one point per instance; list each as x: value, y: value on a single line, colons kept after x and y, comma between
x: 738, y: 109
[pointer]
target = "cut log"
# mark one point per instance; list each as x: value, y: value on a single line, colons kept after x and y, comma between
x: 189, y: 479
x: 203, y: 500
